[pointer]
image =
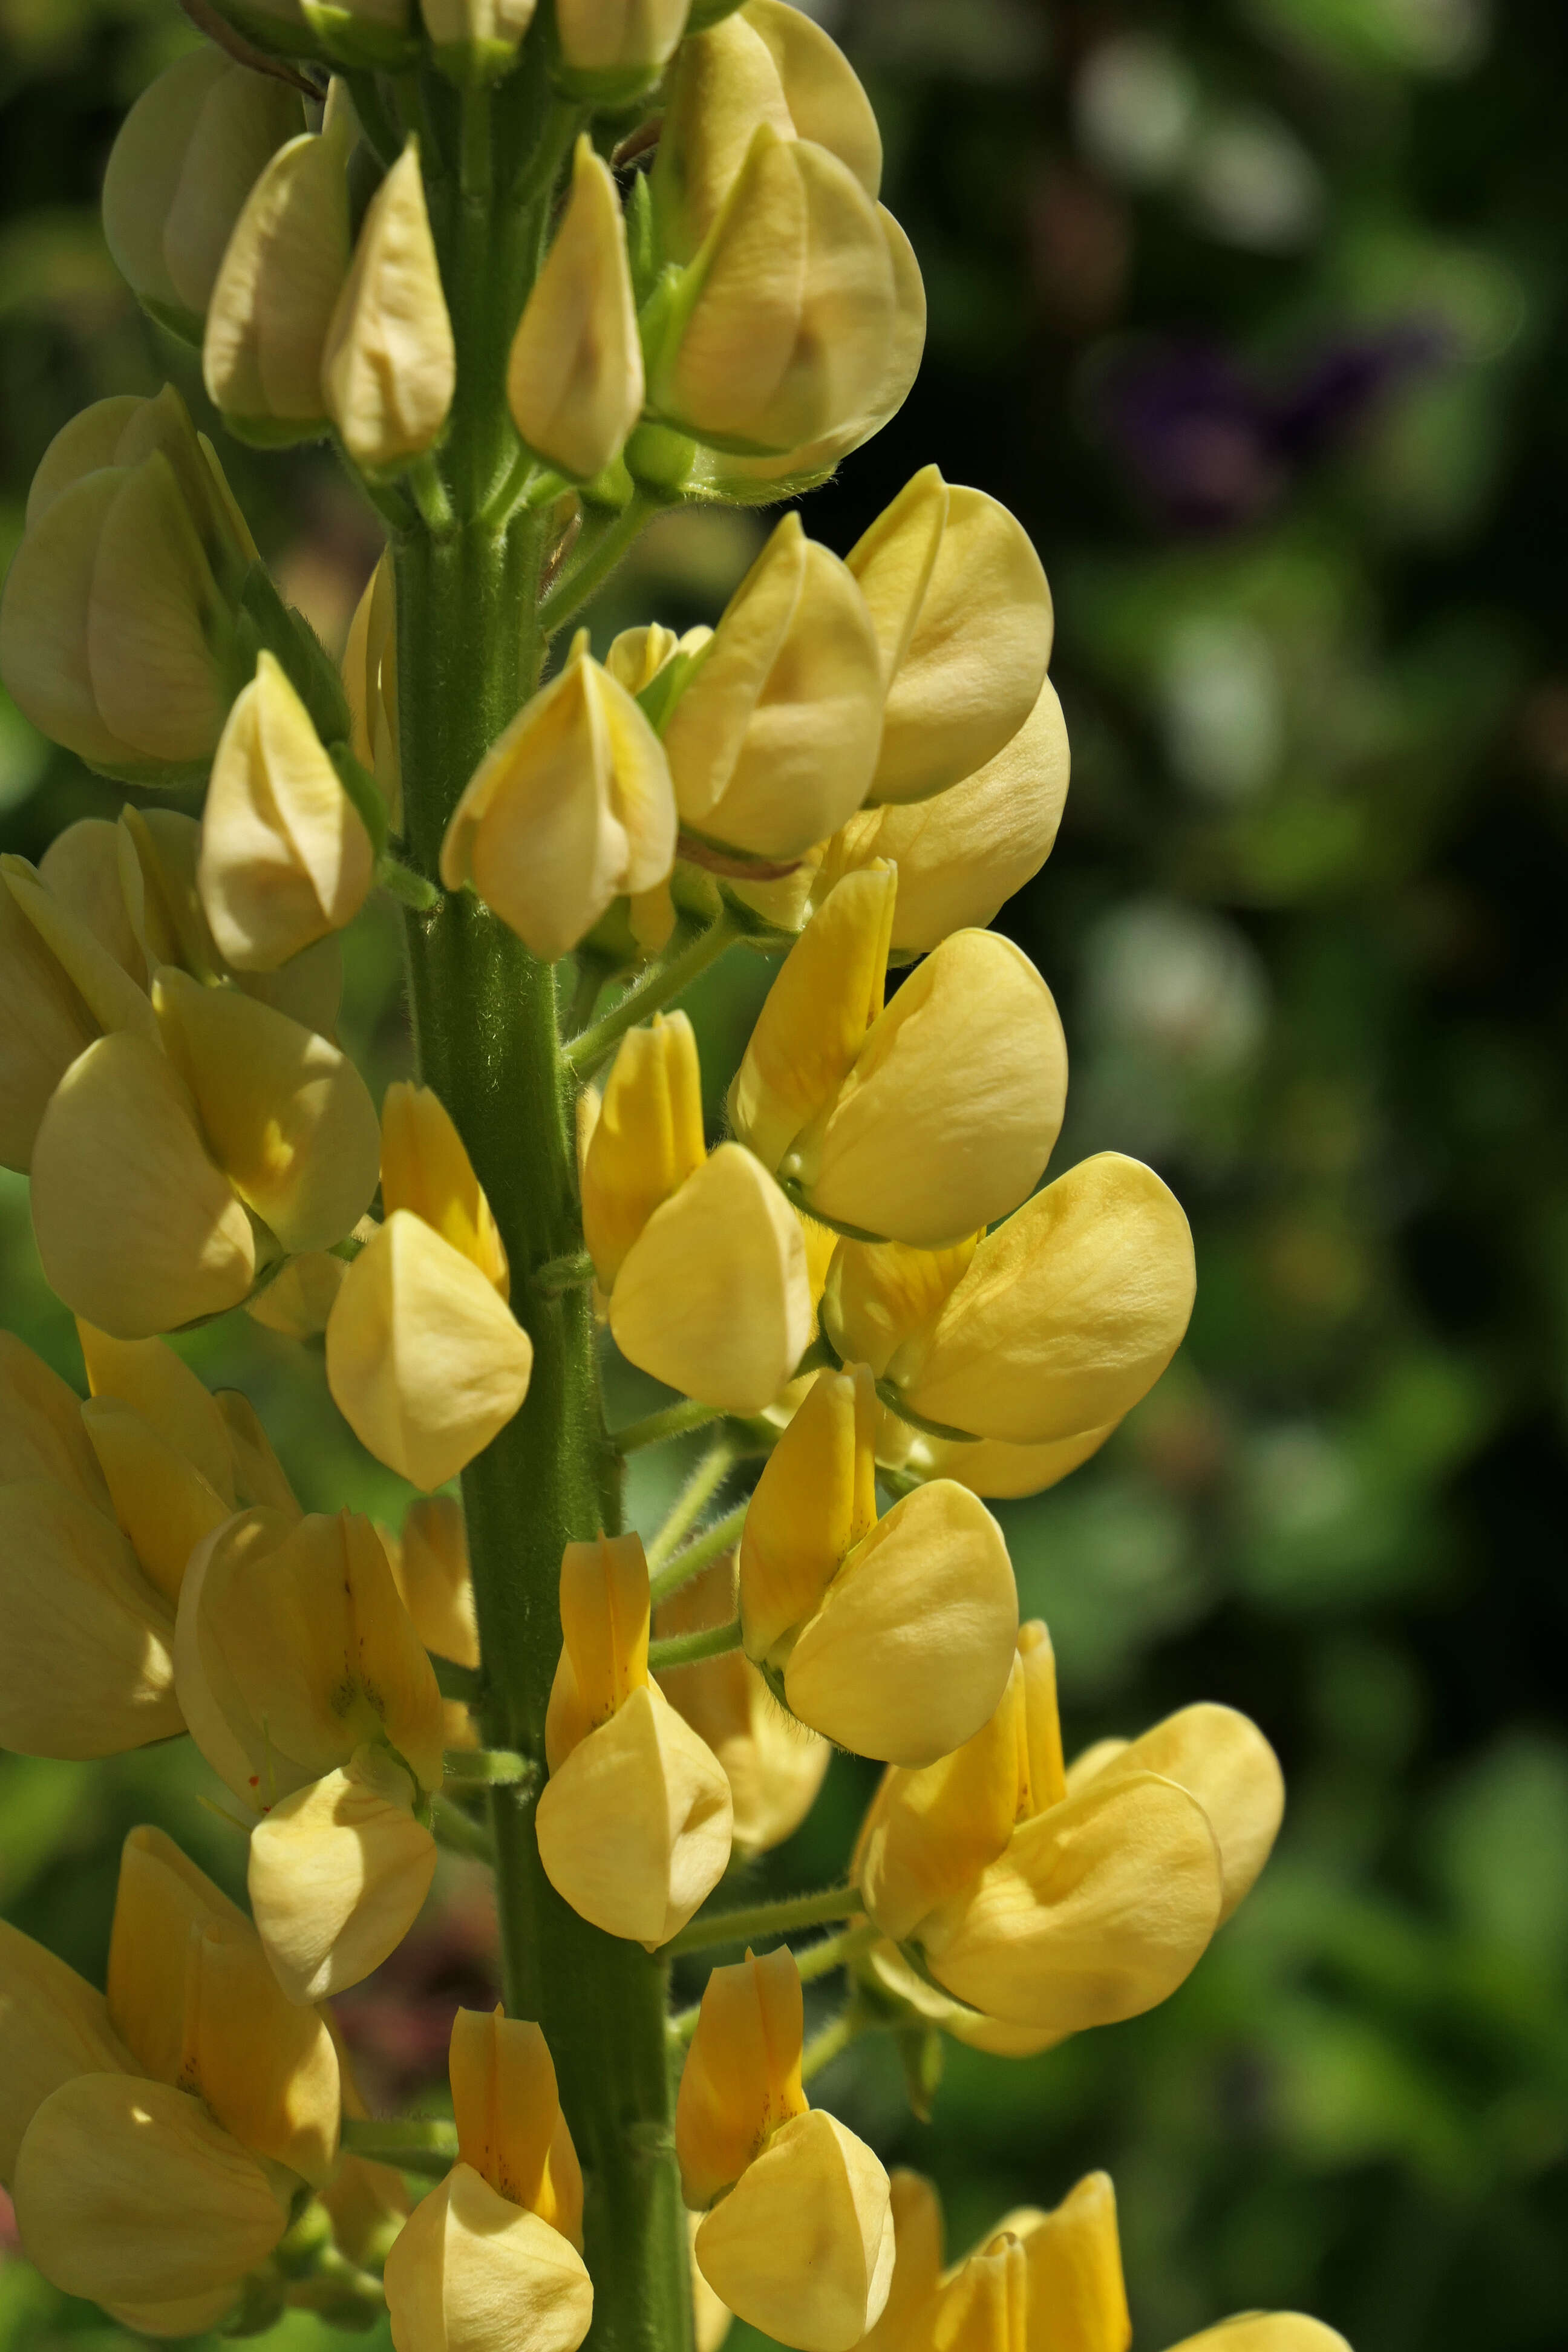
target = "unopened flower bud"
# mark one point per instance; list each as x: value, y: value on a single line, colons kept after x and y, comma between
x: 390, y: 369
x: 425, y: 1361
x: 476, y: 39
x: 370, y: 682
x: 430, y: 1566
x: 892, y: 1637
x: 714, y: 1295
x: 357, y: 32
x: 610, y: 50
x: 185, y: 161
x: 740, y: 2082
x: 964, y: 616
x: 922, y: 1122
x: 54, y: 2025
x: 647, y: 1140
x: 569, y: 808
x: 338, y: 1873
x: 472, y: 2272
x: 634, y: 1823
x: 507, y: 2109
x: 1073, y: 2258
x: 424, y: 1166
x: 127, y: 2191
x: 192, y: 1996
x: 774, y: 1765
x: 274, y: 296
x: 575, y: 380
x: 285, y: 855
x: 773, y: 742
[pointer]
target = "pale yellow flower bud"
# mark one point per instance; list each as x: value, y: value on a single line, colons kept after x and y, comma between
x: 569, y: 808
x: 181, y: 168
x: 802, y: 2245
x: 81, y: 869
x: 774, y: 739
x: 815, y: 1500
x: 766, y: 63
x: 816, y: 1015
x: 633, y: 1824
x: 1073, y: 2257
x: 424, y: 1166
x: 471, y: 2273
x: 338, y: 1873
x: 285, y: 855
x: 714, y: 1296
x: 774, y: 1765
x: 611, y: 49
x: 430, y: 1564
x: 740, y: 2082
x: 127, y: 2191
x: 425, y: 1361
x: 507, y: 2109
x: 370, y: 681
x: 1066, y: 1315
x: 137, y: 1229
x: 1266, y: 2331
x: 777, y: 332
x: 193, y: 1997
x: 647, y: 1140
x: 637, y: 655
x: 390, y: 369
x: 294, y: 1650
x: 47, y: 1024
x: 574, y: 379
x: 274, y: 296
x: 964, y: 616
x: 477, y: 37
x: 54, y: 2025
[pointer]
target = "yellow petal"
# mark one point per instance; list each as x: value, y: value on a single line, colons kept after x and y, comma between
x: 605, y: 1628
x: 370, y: 681
x: 931, y: 1833
x: 634, y: 1828
x: 984, y: 2306
x: 713, y: 1297
x: 338, y: 1873
x: 281, y: 274
x: 954, y: 1105
x: 1067, y: 1315
x: 289, y: 1119
x: 85, y: 1669
x: 54, y: 2025
x: 802, y: 2245
x: 774, y: 739
x: 1001, y: 1472
x: 607, y: 37
x: 471, y: 2274
x: 916, y: 2263
x: 80, y: 869
x: 114, y: 999
x: 425, y: 1361
x: 163, y: 1506
x: 424, y: 1166
x: 574, y: 379
x: 41, y: 1435
x: 1076, y: 2298
x: 888, y: 1968
x: 1266, y: 2331
x: 881, y: 1296
x: 431, y: 1567
x: 127, y: 2191
x: 154, y: 614
x: 259, y: 1475
x: 740, y: 2082
x: 647, y: 1140
x: 1222, y: 1759
x: 1097, y: 1911
x: 187, y: 2314
x: 711, y: 2319
x: 47, y: 1024
x: 148, y: 1376
x: 298, y: 1301
x: 507, y: 2109
x: 814, y: 1501
x: 389, y: 368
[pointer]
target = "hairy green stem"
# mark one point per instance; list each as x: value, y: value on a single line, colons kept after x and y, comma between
x: 830, y: 1952
x: 461, y: 1834
x: 692, y: 1500
x: 657, y: 1428
x: 664, y: 979
x: 485, y: 1768
x: 691, y: 1649
x: 712, y: 1545
x: 415, y: 2145
x: 829, y: 2043
x: 598, y: 552
x: 710, y: 1929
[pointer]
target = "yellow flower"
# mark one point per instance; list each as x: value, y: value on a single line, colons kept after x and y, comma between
x: 54, y: 2026
x: 471, y: 2273
x: 569, y: 808
x: 647, y: 1140
x: 285, y: 855
x: 774, y: 739
x: 429, y: 1565
x: 370, y: 681
x: 633, y: 1824
x: 987, y: 1466
x: 611, y: 49
x: 507, y: 2108
x: 892, y: 1637
x: 178, y: 175
x: 714, y: 1295
x: 964, y: 616
x: 283, y: 271
x: 338, y: 1873
x: 426, y: 1168
x: 389, y: 368
x: 797, y: 2234
x: 1055, y: 1900
x: 774, y: 1766
x: 920, y: 1122
x: 193, y: 1998
x: 1049, y: 1331
x: 574, y: 379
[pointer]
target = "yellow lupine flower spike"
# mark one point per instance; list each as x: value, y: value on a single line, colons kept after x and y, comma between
x: 647, y: 1140
x: 508, y: 2113
x: 424, y: 1166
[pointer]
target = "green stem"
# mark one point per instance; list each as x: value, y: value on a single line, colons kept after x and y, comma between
x: 413, y: 2146
x: 829, y: 2043
x: 658, y: 1428
x: 830, y: 1952
x: 709, y: 1546
x: 710, y: 1929
x: 485, y: 1768
x: 665, y: 980
x: 597, y: 555
x: 691, y: 1649
x: 573, y: 1272
x: 692, y: 1500
x: 410, y: 889
x: 461, y: 1834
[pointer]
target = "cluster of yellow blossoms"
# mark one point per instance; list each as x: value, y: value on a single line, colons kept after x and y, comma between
x: 860, y: 1281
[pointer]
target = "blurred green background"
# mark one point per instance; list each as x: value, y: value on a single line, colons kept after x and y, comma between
x: 1253, y: 310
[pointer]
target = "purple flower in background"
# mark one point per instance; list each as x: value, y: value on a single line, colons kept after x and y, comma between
x: 1213, y: 441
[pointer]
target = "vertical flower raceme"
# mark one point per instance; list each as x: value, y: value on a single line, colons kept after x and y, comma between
x: 894, y: 1637
x: 307, y: 1689
x: 491, y: 2259
x: 797, y: 2233
x: 389, y: 365
x: 633, y: 1824
x: 424, y: 1359
x: 574, y: 379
